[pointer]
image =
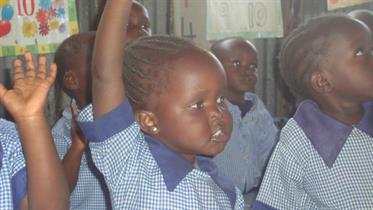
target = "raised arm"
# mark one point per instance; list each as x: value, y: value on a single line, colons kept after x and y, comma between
x: 107, y: 84
x: 71, y: 160
x: 46, y: 183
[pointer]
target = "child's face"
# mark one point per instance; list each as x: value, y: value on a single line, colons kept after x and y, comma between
x: 240, y: 63
x: 350, y: 66
x: 192, y: 116
x: 138, y: 23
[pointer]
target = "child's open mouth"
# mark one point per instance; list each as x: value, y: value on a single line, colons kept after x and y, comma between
x: 217, y: 136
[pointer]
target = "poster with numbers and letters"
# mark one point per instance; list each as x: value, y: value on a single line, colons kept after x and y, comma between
x: 207, y: 20
x: 38, y: 26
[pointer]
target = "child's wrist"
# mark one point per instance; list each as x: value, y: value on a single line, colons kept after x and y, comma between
x: 24, y: 119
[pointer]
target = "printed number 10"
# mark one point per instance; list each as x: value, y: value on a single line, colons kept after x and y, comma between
x: 24, y: 8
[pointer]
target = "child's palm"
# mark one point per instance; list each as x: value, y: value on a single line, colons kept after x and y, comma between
x: 30, y: 90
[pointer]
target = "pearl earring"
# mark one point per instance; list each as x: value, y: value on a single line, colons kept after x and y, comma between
x: 154, y: 129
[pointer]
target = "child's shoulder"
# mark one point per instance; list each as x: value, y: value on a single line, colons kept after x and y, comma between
x: 11, y: 153
x: 8, y: 133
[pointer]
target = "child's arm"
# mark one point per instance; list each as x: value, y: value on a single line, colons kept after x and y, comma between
x: 71, y: 160
x: 107, y: 84
x: 47, y: 187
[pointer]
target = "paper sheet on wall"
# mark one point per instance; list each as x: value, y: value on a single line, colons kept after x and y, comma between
x: 38, y: 26
x: 204, y: 20
x: 245, y: 18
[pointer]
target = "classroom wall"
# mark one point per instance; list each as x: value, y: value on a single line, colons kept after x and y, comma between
x: 269, y: 87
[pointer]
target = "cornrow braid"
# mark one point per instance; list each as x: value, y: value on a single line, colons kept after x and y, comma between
x: 147, y: 62
x: 306, y: 49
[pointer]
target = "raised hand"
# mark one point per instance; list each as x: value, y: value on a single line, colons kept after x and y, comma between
x: 30, y: 89
x: 78, y: 139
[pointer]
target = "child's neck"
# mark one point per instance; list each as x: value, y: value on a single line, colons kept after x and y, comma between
x: 235, y: 98
x: 349, y: 113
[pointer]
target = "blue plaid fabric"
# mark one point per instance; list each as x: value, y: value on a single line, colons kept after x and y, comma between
x: 320, y: 163
x: 252, y: 140
x: 139, y: 171
x: 13, y: 183
x: 90, y: 192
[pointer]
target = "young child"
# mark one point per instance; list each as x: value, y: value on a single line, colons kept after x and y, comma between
x: 324, y: 157
x: 364, y: 15
x: 254, y: 133
x: 89, y: 190
x: 86, y: 184
x: 40, y: 185
x: 176, y: 92
x: 138, y: 22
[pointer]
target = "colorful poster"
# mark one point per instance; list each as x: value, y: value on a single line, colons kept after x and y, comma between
x: 245, y: 18
x: 35, y: 25
x: 336, y: 4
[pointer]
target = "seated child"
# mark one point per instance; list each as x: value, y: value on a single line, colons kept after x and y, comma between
x: 42, y: 184
x: 254, y: 133
x: 138, y: 22
x: 364, y: 15
x: 86, y: 184
x: 323, y: 159
x: 156, y: 153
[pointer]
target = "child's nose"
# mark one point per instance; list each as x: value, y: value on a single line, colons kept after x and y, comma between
x: 216, y: 114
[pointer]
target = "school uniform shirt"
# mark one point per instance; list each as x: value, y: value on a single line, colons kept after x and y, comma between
x: 143, y: 173
x: 13, y: 177
x: 245, y: 155
x: 320, y: 163
x: 90, y: 192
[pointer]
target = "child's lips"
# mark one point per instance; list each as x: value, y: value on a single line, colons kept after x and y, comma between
x: 218, y: 136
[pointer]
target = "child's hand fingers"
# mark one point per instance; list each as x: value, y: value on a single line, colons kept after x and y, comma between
x: 52, y: 73
x: 42, y: 67
x: 3, y: 90
x: 74, y: 110
x: 30, y: 67
x: 17, y: 70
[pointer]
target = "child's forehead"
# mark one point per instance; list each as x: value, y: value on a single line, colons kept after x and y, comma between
x: 139, y: 10
x: 233, y: 47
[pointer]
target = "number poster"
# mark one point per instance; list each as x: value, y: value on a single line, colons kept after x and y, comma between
x: 38, y: 26
x: 203, y: 21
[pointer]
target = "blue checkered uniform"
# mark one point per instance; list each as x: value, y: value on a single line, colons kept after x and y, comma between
x: 143, y: 173
x: 90, y: 192
x: 252, y: 140
x: 13, y: 178
x: 320, y: 163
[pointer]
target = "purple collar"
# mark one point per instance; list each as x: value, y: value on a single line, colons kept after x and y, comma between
x: 326, y: 134
x: 174, y: 168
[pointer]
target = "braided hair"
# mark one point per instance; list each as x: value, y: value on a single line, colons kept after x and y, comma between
x: 147, y: 62
x: 306, y: 50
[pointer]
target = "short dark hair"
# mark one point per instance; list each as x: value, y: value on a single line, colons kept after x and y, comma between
x: 147, y: 63
x: 306, y: 49
x: 69, y: 52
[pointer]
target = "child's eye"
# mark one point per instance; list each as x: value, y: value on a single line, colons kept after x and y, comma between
x: 236, y: 64
x: 253, y: 66
x: 220, y: 100
x: 198, y: 105
x: 359, y: 52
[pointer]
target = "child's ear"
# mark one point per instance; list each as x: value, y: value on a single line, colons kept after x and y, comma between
x: 147, y: 121
x: 320, y: 82
x: 70, y: 80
